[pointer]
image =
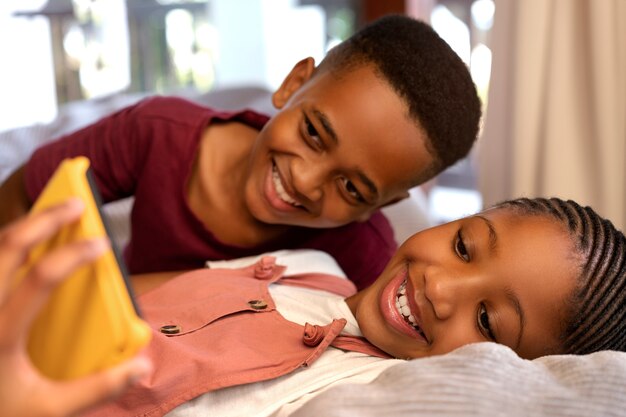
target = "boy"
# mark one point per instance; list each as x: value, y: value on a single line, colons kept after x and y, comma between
x: 540, y: 276
x: 386, y: 110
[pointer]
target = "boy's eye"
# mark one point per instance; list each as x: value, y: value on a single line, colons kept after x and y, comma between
x: 459, y: 247
x: 483, y: 322
x: 312, y: 132
x: 352, y: 190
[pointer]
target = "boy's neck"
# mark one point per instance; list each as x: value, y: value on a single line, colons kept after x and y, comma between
x: 216, y: 186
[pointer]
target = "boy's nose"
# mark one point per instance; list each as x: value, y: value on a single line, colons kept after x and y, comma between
x: 308, y: 179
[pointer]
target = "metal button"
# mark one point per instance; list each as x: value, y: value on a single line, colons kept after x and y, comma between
x: 257, y: 304
x: 170, y: 329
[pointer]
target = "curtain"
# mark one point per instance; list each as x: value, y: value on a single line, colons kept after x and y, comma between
x: 555, y: 123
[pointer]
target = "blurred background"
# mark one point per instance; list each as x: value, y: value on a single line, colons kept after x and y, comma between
x: 550, y: 74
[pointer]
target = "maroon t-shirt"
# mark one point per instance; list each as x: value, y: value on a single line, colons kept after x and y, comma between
x: 147, y: 150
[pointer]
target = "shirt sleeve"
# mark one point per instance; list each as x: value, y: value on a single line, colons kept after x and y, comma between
x: 113, y: 145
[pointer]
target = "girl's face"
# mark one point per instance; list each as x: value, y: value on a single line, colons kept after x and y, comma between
x: 496, y: 276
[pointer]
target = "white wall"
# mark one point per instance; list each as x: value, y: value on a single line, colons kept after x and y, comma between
x: 261, y: 40
x: 27, y: 93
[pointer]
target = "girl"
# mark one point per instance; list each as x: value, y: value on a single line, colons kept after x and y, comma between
x: 542, y: 276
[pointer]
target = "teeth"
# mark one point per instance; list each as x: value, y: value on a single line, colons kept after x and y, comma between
x: 280, y: 190
x: 402, y: 305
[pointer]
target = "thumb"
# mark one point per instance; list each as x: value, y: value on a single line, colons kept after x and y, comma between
x: 81, y: 394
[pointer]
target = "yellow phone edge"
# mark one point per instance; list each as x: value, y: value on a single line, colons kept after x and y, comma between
x: 91, y: 321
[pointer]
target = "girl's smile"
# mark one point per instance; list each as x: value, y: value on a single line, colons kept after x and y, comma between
x: 400, y: 309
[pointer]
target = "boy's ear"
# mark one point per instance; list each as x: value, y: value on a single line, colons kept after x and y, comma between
x: 299, y: 74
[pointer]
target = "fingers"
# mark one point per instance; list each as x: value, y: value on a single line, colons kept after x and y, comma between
x: 17, y: 239
x: 78, y: 395
x: 20, y: 304
x: 19, y: 309
x: 33, y: 291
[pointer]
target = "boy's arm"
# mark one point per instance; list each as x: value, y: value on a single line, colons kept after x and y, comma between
x: 15, y: 201
x: 105, y: 142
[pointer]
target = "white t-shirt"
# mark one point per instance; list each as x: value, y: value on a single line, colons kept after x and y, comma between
x: 283, y: 395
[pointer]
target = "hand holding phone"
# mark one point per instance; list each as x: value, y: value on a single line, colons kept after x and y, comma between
x: 24, y: 391
x: 90, y: 322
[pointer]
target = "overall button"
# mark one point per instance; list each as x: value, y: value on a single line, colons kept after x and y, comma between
x: 257, y: 304
x: 170, y: 329
x: 313, y: 335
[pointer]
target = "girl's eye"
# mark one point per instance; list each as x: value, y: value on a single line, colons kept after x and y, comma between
x: 483, y: 323
x: 352, y: 190
x: 459, y: 247
x: 312, y: 132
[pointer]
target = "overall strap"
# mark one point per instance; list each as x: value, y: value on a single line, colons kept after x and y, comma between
x: 358, y: 344
x: 321, y: 281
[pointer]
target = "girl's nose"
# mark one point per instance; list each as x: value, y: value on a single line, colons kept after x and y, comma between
x: 445, y: 291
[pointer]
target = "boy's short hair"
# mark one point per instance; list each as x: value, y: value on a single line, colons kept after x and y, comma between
x: 424, y: 70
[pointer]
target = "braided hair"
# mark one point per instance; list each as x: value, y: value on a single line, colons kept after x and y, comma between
x: 597, y: 319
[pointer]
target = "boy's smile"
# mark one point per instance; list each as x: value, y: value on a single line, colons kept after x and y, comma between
x: 490, y: 277
x: 341, y: 146
x: 277, y: 188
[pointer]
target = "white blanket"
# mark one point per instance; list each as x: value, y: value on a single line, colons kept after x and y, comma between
x: 485, y: 379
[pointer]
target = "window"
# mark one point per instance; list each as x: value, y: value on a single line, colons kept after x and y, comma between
x: 465, y: 25
x: 75, y: 49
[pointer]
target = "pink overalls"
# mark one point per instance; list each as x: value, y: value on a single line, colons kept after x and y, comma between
x: 216, y: 328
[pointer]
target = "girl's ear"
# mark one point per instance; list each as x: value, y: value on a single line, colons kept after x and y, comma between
x: 299, y: 74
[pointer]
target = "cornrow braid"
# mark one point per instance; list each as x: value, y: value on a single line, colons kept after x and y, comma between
x: 597, y: 319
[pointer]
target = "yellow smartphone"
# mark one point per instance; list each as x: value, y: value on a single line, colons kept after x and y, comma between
x: 91, y: 321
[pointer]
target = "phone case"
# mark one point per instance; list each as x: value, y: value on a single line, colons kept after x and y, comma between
x: 91, y: 321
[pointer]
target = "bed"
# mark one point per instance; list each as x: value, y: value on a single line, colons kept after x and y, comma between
x: 479, y: 379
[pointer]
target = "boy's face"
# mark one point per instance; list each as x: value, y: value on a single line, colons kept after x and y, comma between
x: 491, y: 277
x: 338, y: 149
